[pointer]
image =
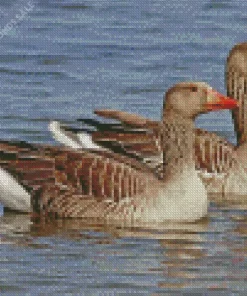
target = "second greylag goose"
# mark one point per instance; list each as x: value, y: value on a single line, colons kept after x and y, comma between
x: 106, y: 185
x: 236, y: 80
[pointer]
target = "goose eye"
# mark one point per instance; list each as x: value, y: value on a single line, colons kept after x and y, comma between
x: 194, y: 89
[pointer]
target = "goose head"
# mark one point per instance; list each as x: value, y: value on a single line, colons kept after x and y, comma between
x: 189, y: 99
x: 236, y: 65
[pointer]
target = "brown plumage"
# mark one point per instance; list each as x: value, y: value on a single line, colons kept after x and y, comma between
x: 61, y: 177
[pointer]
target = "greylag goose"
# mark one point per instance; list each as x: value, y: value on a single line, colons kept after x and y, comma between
x: 103, y: 184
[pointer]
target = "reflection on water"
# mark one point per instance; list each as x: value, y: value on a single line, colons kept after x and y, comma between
x: 79, y: 257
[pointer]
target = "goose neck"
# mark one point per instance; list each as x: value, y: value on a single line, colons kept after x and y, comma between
x: 178, y: 145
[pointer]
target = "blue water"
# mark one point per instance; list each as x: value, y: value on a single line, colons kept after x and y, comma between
x: 64, y: 59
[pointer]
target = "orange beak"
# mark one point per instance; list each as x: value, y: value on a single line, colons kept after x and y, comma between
x: 217, y: 101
